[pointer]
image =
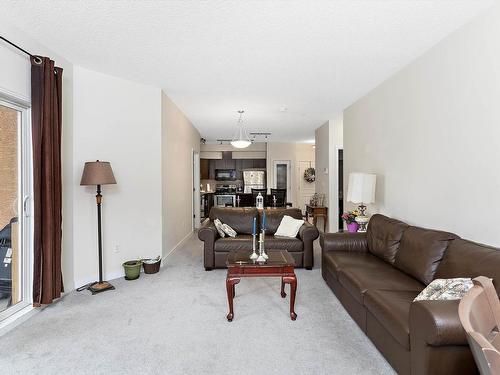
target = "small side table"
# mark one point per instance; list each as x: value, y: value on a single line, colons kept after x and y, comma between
x: 315, y: 212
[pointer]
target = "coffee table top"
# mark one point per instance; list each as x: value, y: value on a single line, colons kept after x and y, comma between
x: 277, y: 258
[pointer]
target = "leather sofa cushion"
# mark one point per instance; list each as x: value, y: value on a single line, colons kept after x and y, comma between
x: 334, y: 261
x: 469, y: 259
x: 357, y: 280
x: 240, y: 242
x: 392, y: 309
x: 421, y: 251
x: 240, y: 219
x: 274, y: 216
x: 384, y: 235
x: 244, y: 242
x: 282, y: 243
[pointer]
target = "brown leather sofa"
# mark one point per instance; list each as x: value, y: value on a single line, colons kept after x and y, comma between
x: 241, y: 220
x: 376, y: 275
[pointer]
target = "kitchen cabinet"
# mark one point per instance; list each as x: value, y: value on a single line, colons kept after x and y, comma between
x: 259, y: 163
x: 204, y: 169
x: 208, y: 169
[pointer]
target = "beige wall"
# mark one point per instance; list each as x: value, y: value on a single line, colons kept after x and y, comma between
x: 295, y: 152
x: 322, y: 157
x: 119, y: 121
x: 329, y: 139
x: 179, y: 138
x: 431, y: 133
x: 8, y: 165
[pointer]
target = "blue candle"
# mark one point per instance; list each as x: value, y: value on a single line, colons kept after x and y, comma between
x: 254, y: 226
x: 263, y: 220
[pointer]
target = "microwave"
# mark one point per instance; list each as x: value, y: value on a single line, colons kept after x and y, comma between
x: 225, y: 174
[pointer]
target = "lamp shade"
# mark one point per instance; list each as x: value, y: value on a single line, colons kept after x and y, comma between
x: 97, y: 173
x: 361, y: 188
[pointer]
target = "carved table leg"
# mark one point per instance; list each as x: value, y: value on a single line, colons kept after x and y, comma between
x: 292, y: 280
x: 283, y: 294
x: 230, y: 283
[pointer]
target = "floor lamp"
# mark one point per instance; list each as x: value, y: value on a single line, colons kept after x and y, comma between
x: 98, y: 173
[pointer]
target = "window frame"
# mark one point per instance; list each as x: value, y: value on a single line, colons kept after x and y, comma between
x: 25, y: 201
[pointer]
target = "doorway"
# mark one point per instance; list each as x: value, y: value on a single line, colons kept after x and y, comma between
x: 340, y: 161
x: 196, y: 189
x: 15, y: 194
x: 282, y: 177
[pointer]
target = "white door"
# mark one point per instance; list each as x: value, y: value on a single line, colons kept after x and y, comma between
x: 196, y: 190
x: 305, y: 189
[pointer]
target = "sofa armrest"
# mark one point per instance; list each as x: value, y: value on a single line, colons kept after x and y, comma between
x: 344, y: 241
x: 437, y: 323
x: 208, y: 232
x: 308, y: 232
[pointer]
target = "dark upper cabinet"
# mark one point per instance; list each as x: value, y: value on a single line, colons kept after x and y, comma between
x: 220, y: 164
x: 246, y: 164
x: 230, y: 164
x: 204, y: 169
x: 208, y: 166
x: 259, y: 163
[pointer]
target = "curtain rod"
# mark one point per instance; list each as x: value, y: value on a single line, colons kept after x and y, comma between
x: 16, y: 46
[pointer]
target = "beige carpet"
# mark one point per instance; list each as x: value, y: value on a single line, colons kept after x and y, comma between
x: 174, y: 322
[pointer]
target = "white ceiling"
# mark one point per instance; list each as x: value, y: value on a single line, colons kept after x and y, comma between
x: 214, y: 57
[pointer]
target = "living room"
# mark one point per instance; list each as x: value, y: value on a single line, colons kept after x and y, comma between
x: 388, y: 107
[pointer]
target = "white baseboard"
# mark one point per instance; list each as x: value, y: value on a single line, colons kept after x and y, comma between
x: 179, y: 244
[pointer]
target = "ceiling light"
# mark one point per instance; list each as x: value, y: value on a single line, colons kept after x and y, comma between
x: 241, y: 139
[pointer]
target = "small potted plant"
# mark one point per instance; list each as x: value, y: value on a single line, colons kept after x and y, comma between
x: 350, y: 219
x: 151, y: 265
x: 132, y: 269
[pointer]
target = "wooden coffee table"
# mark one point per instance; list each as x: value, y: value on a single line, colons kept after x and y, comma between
x: 280, y: 264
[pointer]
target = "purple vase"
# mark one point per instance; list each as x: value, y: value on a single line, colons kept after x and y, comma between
x: 352, y: 227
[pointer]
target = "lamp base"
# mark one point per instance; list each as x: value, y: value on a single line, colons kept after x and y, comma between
x: 362, y: 222
x: 97, y: 287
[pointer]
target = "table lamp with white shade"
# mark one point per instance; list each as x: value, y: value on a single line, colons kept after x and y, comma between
x: 361, y: 190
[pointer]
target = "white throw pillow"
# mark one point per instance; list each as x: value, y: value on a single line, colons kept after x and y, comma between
x: 228, y: 230
x: 218, y: 225
x: 445, y: 289
x: 289, y: 227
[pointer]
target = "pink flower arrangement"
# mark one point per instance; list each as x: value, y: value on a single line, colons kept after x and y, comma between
x: 350, y: 216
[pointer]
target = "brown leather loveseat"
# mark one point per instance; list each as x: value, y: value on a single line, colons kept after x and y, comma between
x: 376, y: 276
x: 241, y: 220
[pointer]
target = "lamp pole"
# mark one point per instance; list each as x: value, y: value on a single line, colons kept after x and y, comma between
x: 98, y: 199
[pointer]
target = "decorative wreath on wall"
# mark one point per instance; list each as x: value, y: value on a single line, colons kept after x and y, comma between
x: 310, y: 175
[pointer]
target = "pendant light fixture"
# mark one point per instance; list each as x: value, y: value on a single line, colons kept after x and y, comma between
x: 241, y: 139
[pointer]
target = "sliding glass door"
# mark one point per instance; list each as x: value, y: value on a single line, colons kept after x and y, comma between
x: 15, y: 192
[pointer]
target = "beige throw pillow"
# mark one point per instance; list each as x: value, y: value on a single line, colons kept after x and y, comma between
x: 289, y: 227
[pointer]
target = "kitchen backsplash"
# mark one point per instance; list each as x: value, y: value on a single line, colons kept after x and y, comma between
x: 210, y: 185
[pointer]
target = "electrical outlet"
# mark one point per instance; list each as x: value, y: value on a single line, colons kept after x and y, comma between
x: 116, y: 249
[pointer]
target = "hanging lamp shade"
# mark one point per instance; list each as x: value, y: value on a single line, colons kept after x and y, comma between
x: 241, y: 139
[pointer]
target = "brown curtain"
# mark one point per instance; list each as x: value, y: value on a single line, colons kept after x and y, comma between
x: 46, y: 117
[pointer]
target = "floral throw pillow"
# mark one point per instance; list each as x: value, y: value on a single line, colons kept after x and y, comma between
x: 445, y: 289
x: 218, y: 226
x: 228, y: 230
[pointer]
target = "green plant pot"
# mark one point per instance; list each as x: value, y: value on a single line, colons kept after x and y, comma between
x: 132, y: 269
